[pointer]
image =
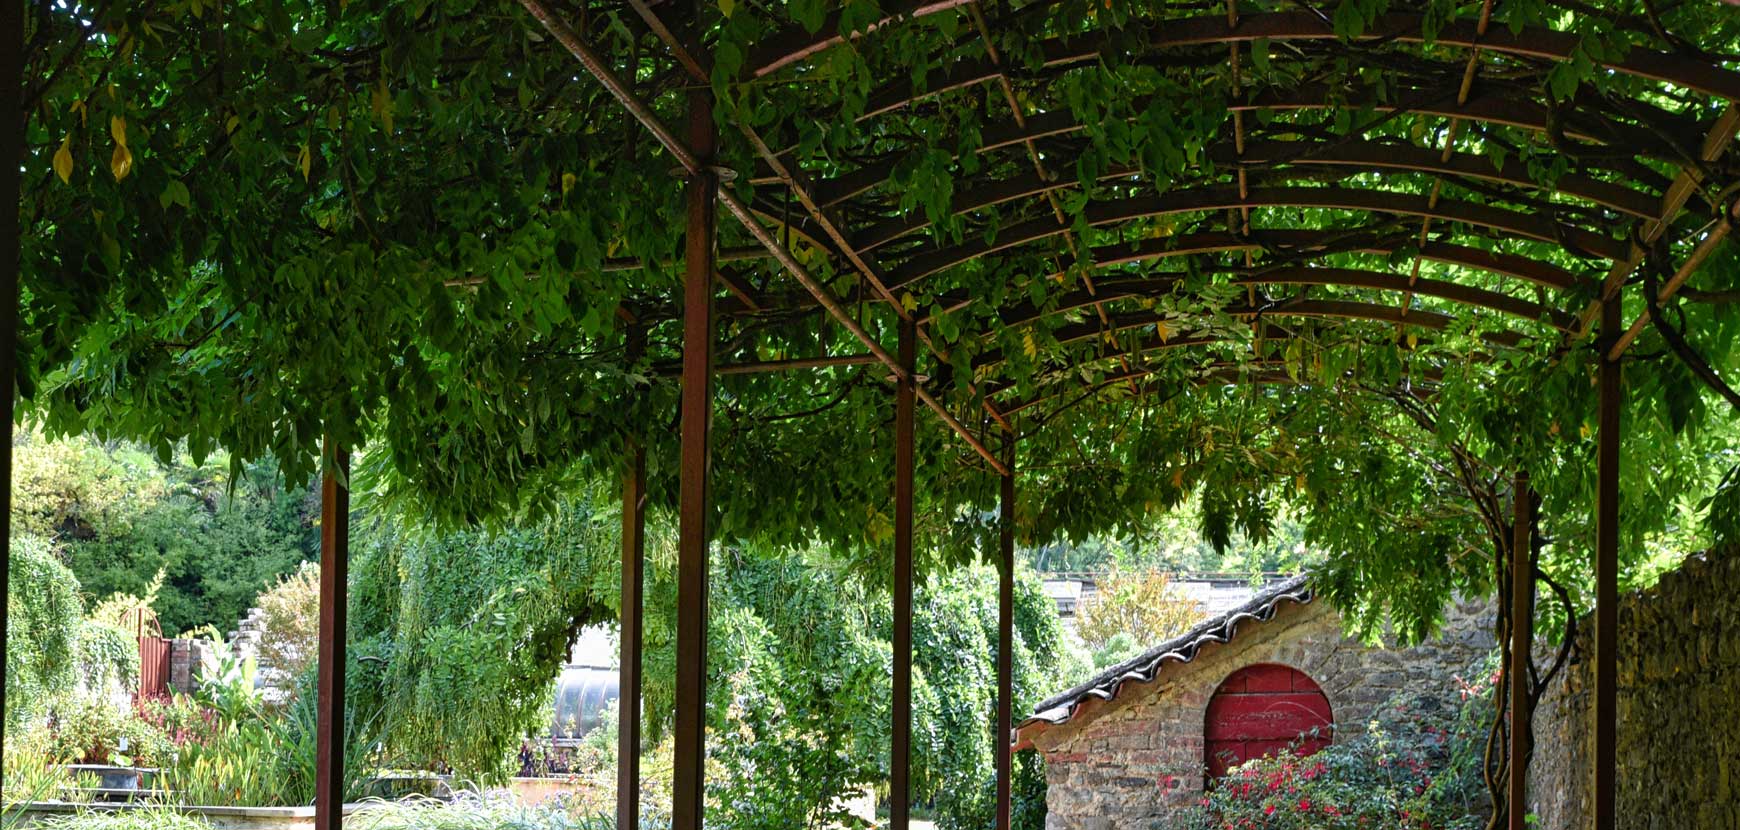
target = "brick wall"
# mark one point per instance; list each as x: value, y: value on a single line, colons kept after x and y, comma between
x: 185, y: 658
x: 1136, y: 762
x: 1679, y: 689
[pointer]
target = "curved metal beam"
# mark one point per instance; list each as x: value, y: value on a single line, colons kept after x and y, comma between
x: 1510, y: 265
x: 1375, y: 241
x: 1153, y: 285
x: 795, y: 43
x: 1222, y: 372
x: 1577, y: 241
x: 1210, y: 30
x: 1316, y: 309
x: 1490, y: 108
x: 1266, y: 154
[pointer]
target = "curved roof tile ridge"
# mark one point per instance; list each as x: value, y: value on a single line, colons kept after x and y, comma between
x: 1145, y: 667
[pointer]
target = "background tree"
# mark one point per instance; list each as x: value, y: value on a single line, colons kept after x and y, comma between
x: 1132, y: 611
x: 290, y: 622
x: 123, y: 517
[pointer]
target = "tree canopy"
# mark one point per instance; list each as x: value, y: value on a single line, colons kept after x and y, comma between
x: 1342, y: 256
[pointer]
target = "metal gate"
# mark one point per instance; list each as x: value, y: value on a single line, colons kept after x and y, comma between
x: 153, y: 667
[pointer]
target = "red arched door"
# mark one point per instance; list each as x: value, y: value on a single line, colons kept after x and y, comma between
x: 1260, y: 709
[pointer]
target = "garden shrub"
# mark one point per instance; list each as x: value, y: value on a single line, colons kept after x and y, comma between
x: 1416, y: 767
x: 44, y: 616
x: 108, y: 660
x: 290, y: 622
x: 92, y: 730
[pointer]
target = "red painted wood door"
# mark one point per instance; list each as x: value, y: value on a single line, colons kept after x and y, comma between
x: 1260, y: 709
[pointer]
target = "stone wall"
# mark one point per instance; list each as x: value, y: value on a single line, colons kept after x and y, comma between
x: 1679, y: 733
x: 1137, y: 761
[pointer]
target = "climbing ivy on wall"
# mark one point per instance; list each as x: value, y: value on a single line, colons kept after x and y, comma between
x: 43, y: 619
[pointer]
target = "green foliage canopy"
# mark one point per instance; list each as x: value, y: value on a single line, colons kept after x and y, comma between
x: 406, y: 226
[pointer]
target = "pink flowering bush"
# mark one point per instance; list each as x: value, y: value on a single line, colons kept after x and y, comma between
x: 1415, y: 767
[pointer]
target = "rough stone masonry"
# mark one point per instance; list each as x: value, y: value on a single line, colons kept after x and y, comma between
x: 1679, y: 711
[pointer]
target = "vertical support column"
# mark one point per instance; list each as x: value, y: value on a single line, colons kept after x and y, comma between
x: 900, y: 763
x: 1607, y: 572
x: 1005, y: 636
x: 692, y: 541
x: 334, y: 579
x: 12, y: 154
x: 633, y: 580
x: 1522, y: 635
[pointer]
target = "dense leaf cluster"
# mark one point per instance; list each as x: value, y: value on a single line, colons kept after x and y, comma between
x: 408, y: 226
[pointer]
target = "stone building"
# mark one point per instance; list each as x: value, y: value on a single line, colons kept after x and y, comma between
x: 1132, y: 747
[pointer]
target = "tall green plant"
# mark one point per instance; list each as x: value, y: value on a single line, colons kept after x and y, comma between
x: 44, y: 618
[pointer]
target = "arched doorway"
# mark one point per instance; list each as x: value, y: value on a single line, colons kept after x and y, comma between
x: 1260, y: 709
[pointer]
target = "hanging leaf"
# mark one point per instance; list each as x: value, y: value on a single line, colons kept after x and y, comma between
x: 118, y: 129
x: 726, y: 7
x: 1260, y: 55
x: 175, y: 193
x: 305, y: 161
x: 121, y: 163
x: 63, y: 162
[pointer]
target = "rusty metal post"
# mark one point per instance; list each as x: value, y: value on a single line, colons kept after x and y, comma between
x: 11, y: 152
x: 1522, y: 635
x: 690, y: 736
x: 1607, y: 572
x: 633, y: 580
x: 1005, y: 636
x: 900, y: 763
x: 334, y: 567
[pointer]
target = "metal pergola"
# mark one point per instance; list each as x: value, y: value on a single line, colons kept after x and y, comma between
x: 1655, y: 189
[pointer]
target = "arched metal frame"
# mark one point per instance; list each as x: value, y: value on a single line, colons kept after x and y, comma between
x: 832, y: 217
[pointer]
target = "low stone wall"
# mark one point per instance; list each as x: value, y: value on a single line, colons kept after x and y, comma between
x: 1679, y: 688
x: 1138, y: 762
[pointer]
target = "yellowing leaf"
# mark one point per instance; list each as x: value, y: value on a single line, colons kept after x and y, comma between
x: 79, y: 107
x: 305, y: 161
x: 121, y: 163
x: 231, y: 124
x: 1163, y: 330
x: 909, y: 302
x: 1177, y: 477
x: 381, y: 101
x: 1028, y: 346
x: 1413, y: 340
x: 63, y: 160
x: 118, y: 129
x: 568, y: 181
x: 727, y: 6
